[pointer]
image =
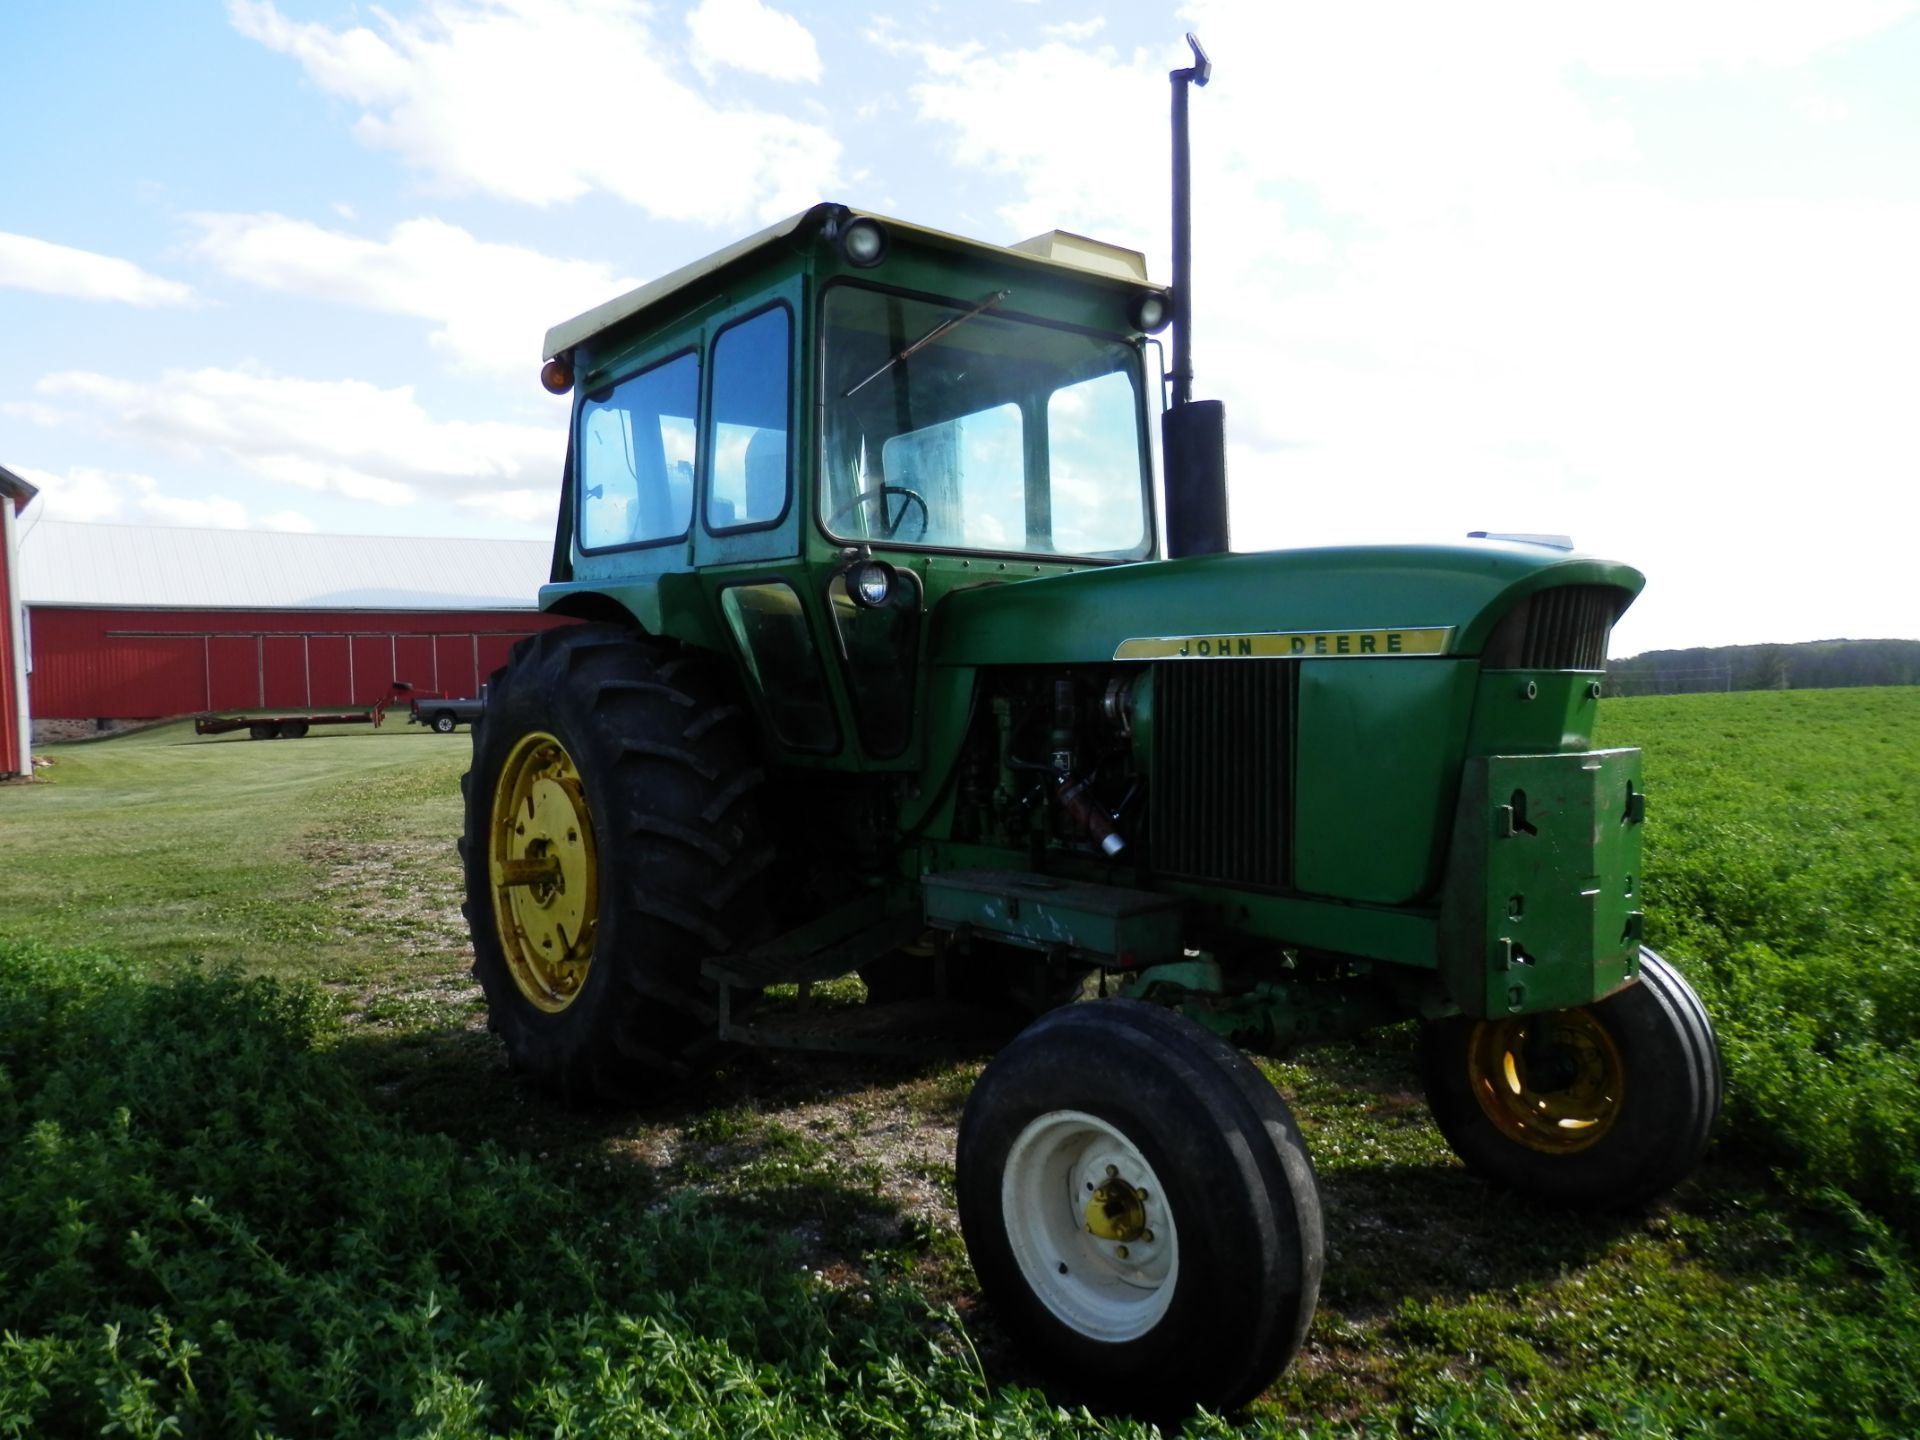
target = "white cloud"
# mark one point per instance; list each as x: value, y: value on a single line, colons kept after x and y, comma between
x: 40, y: 265
x: 522, y: 505
x: 82, y: 493
x: 1441, y: 288
x: 1075, y: 29
x: 1653, y: 38
x: 342, y: 436
x: 544, y: 101
x: 202, y: 512
x: 491, y: 304
x: 90, y: 494
x: 747, y: 35
x: 34, y: 413
x: 1056, y: 118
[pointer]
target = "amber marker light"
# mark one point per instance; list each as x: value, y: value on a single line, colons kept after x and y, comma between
x: 557, y: 375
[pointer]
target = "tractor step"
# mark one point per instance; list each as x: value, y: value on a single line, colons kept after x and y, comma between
x: 921, y: 1029
x: 836, y: 945
x: 1045, y: 912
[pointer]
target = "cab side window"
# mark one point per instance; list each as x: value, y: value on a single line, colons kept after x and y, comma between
x: 748, y: 444
x: 636, y: 453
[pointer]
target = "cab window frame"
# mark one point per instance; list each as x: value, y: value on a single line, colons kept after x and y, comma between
x: 1140, y: 381
x: 704, y: 447
x: 691, y: 348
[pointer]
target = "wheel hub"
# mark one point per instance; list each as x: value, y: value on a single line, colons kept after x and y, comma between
x: 1115, y: 1210
x: 1553, y: 1083
x: 1089, y: 1225
x: 542, y: 863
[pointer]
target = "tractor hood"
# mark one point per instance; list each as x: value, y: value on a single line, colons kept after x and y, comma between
x: 1414, y: 599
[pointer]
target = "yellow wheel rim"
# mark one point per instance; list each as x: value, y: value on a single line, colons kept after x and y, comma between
x: 1553, y: 1083
x: 540, y: 857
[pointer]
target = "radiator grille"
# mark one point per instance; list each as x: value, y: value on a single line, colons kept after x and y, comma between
x: 1221, y: 748
x: 1567, y: 628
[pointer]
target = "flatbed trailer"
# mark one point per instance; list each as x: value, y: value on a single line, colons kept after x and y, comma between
x: 287, y: 724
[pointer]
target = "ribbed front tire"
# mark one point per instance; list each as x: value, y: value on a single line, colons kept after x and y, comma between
x: 1140, y: 1209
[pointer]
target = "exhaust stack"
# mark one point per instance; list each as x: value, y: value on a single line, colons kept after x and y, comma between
x: 1193, y: 432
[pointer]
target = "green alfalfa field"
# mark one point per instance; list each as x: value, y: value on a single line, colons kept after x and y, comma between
x: 262, y: 1169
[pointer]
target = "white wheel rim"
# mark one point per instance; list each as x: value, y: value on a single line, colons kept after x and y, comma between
x: 1113, y: 1287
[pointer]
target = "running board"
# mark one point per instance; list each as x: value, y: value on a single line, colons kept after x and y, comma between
x: 1126, y: 928
x: 917, y: 1029
x: 837, y: 944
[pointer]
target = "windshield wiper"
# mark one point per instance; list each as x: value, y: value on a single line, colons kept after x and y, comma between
x: 927, y: 339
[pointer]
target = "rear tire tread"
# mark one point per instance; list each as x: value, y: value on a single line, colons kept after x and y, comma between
x: 671, y: 827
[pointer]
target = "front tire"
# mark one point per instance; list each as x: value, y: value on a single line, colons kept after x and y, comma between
x: 1139, y: 1208
x: 611, y: 844
x: 1603, y: 1107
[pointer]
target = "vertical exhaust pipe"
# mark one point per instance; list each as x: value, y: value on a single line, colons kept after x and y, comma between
x: 1193, y: 432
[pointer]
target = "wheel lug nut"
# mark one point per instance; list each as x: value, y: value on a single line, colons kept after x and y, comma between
x: 1147, y: 1236
x: 1121, y: 1251
x: 1112, y: 1170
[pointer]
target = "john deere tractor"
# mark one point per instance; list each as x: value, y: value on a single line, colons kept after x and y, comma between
x: 891, y: 665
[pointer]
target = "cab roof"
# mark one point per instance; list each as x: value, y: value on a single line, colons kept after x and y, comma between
x: 1058, y: 250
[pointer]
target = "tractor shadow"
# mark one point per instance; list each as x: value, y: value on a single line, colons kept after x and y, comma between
x: 847, y: 1159
x: 1396, y: 1231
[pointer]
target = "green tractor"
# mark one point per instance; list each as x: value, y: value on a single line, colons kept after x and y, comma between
x: 889, y: 665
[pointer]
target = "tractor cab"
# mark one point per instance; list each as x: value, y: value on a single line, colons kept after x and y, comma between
x: 795, y: 448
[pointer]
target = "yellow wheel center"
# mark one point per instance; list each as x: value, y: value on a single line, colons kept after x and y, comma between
x: 1553, y: 1083
x: 542, y: 864
x: 1116, y: 1211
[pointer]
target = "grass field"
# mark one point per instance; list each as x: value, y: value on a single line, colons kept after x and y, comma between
x: 263, y: 1170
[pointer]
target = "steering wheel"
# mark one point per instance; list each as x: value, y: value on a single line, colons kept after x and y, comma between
x: 889, y: 524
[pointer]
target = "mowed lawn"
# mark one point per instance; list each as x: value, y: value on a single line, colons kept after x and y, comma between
x: 165, y: 844
x: 322, y: 1206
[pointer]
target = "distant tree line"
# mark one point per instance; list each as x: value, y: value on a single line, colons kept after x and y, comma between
x: 1814, y: 665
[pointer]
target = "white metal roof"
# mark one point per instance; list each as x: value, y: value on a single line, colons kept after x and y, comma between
x: 161, y: 567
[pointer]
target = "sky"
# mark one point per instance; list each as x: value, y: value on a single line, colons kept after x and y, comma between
x: 1645, y: 274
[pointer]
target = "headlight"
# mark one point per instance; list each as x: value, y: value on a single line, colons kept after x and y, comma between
x: 864, y: 243
x: 871, y: 583
x: 1149, y: 313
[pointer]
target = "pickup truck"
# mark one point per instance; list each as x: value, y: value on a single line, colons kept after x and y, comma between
x: 444, y: 713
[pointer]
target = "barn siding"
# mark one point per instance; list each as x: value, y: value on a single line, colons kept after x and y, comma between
x: 136, y: 664
x: 15, y: 756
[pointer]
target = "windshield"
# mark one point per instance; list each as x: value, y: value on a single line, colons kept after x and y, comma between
x: 951, y: 425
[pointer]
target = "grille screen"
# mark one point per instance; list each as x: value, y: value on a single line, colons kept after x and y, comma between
x: 1562, y: 629
x: 1567, y: 629
x: 1221, y: 749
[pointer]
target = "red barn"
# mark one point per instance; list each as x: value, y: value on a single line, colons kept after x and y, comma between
x: 15, y: 732
x: 131, y: 622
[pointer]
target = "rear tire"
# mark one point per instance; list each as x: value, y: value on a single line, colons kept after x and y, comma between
x: 1140, y: 1208
x: 293, y: 729
x: 443, y: 723
x: 611, y: 844
x: 263, y: 732
x: 1607, y: 1107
